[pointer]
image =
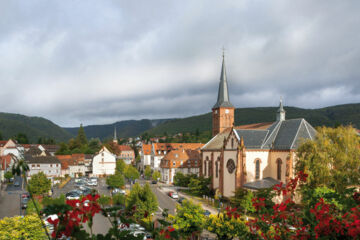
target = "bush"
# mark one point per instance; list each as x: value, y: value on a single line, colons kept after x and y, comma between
x: 28, y: 227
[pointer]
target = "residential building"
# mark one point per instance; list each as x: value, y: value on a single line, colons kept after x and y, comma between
x: 11, y: 147
x: 159, y: 150
x: 186, y: 161
x: 126, y: 153
x: 72, y: 165
x: 6, y: 163
x: 104, y: 163
x: 49, y: 165
x: 253, y: 155
x: 145, y: 156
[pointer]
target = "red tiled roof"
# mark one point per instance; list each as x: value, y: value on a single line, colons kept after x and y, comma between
x: 71, y: 160
x: 264, y: 125
x: 173, y: 146
x: 146, y: 148
x: 2, y: 143
x: 124, y: 148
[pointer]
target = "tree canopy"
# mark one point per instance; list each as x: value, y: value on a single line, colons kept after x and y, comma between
x: 332, y: 159
x: 39, y: 184
x: 115, y: 181
x: 189, y: 218
x: 147, y: 172
x: 27, y: 227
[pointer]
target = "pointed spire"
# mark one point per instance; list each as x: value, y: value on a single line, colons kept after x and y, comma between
x: 115, y: 137
x: 280, y: 115
x: 223, y: 94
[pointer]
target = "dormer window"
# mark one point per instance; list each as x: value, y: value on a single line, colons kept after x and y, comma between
x: 176, y: 155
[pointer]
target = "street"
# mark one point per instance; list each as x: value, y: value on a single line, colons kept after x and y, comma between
x: 10, y: 200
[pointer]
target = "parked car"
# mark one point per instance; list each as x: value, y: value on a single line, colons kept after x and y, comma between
x: 174, y: 195
x: 91, y: 183
x: 24, y: 203
x: 154, y: 182
x: 16, y: 183
x: 118, y: 191
x: 207, y: 213
x: 25, y: 195
x: 75, y: 194
x: 181, y: 199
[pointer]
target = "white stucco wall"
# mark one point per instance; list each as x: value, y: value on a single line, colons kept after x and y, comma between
x: 104, y: 163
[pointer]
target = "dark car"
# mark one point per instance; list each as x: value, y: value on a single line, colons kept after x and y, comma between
x: 207, y: 213
x: 154, y: 182
x: 24, y: 202
x: 181, y: 199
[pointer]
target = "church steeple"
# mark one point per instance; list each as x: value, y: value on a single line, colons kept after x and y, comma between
x: 223, y: 110
x: 223, y: 93
x: 280, y: 115
x: 115, y: 137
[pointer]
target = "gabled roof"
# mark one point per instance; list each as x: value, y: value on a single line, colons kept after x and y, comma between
x: 166, y: 147
x: 146, y: 149
x: 42, y: 159
x: 280, y: 135
x: 124, y: 148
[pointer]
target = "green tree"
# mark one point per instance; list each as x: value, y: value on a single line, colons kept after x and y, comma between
x: 147, y: 172
x: 189, y: 218
x: 8, y: 175
x: 181, y: 179
x: 144, y: 201
x: 120, y: 166
x: 242, y: 200
x: 199, y: 186
x: 39, y: 184
x: 332, y: 159
x: 81, y: 137
x: 227, y: 228
x: 115, y: 181
x: 156, y: 175
x: 94, y: 145
x: 63, y: 150
x: 131, y: 173
x: 22, y: 138
x: 27, y: 227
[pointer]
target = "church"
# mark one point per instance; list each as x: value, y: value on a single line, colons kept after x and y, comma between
x: 252, y: 156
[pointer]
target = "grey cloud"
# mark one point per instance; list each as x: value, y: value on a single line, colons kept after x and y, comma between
x: 103, y: 61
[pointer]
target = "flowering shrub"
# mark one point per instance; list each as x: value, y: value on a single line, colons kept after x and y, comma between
x: 287, y: 220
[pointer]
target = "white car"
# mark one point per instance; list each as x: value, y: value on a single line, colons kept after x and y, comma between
x: 174, y: 195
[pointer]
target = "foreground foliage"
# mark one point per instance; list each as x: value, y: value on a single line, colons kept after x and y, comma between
x: 27, y: 227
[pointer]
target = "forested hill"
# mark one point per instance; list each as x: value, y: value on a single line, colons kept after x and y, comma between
x: 329, y: 116
x: 124, y: 129
x: 33, y: 127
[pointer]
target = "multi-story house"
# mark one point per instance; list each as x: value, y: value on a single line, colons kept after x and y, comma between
x: 145, y: 156
x: 126, y: 153
x: 186, y: 161
x: 159, y: 150
x: 104, y: 163
x: 49, y: 165
x: 72, y: 165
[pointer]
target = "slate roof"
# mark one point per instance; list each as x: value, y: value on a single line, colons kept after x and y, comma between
x: 42, y: 159
x: 261, y: 184
x: 281, y: 135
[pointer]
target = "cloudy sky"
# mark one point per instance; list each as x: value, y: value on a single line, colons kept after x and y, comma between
x: 94, y: 62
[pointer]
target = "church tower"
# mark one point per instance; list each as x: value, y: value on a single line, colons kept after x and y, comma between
x: 223, y: 110
x: 115, y: 137
x: 280, y: 115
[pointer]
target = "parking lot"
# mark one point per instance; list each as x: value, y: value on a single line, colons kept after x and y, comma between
x: 101, y: 188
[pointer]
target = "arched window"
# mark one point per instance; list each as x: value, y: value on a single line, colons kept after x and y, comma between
x: 257, y: 169
x: 278, y: 163
x: 232, y: 143
x: 205, y: 163
x: 209, y: 168
x: 217, y: 169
